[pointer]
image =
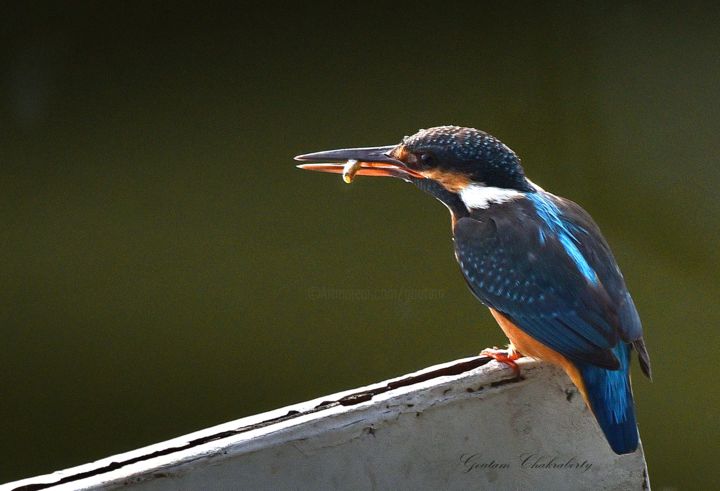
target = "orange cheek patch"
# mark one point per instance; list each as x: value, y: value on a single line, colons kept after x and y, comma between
x: 452, y: 181
x: 400, y: 153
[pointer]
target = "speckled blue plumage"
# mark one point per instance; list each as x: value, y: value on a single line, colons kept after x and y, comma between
x: 542, y: 262
x: 518, y: 263
x: 460, y: 149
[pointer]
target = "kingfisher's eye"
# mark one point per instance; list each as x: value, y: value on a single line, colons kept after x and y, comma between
x: 427, y: 159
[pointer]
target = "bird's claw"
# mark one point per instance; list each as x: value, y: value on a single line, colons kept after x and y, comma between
x: 507, y: 357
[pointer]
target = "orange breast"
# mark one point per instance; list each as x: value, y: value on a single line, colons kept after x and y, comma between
x: 529, y: 346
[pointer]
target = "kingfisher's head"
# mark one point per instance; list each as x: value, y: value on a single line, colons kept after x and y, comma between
x: 460, y: 166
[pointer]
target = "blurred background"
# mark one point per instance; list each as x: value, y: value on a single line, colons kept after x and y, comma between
x: 166, y: 268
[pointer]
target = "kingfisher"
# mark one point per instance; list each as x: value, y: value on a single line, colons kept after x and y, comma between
x: 536, y: 260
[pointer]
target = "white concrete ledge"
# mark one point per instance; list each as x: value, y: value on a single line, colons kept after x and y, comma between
x: 466, y: 424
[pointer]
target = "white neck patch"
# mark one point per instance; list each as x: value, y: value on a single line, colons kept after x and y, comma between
x: 477, y: 196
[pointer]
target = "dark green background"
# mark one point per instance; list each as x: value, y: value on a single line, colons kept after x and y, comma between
x: 161, y: 257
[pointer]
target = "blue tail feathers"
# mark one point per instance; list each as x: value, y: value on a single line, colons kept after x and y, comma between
x: 611, y: 400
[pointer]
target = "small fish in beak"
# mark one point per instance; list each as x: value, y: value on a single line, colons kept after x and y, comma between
x: 350, y: 169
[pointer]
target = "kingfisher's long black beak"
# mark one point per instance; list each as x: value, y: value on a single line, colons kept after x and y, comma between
x: 371, y: 161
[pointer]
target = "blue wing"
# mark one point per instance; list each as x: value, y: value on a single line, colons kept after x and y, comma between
x: 543, y: 262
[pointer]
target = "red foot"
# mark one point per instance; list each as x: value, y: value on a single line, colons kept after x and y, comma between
x: 507, y: 357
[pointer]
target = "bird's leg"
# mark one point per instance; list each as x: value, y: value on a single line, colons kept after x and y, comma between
x: 507, y: 356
